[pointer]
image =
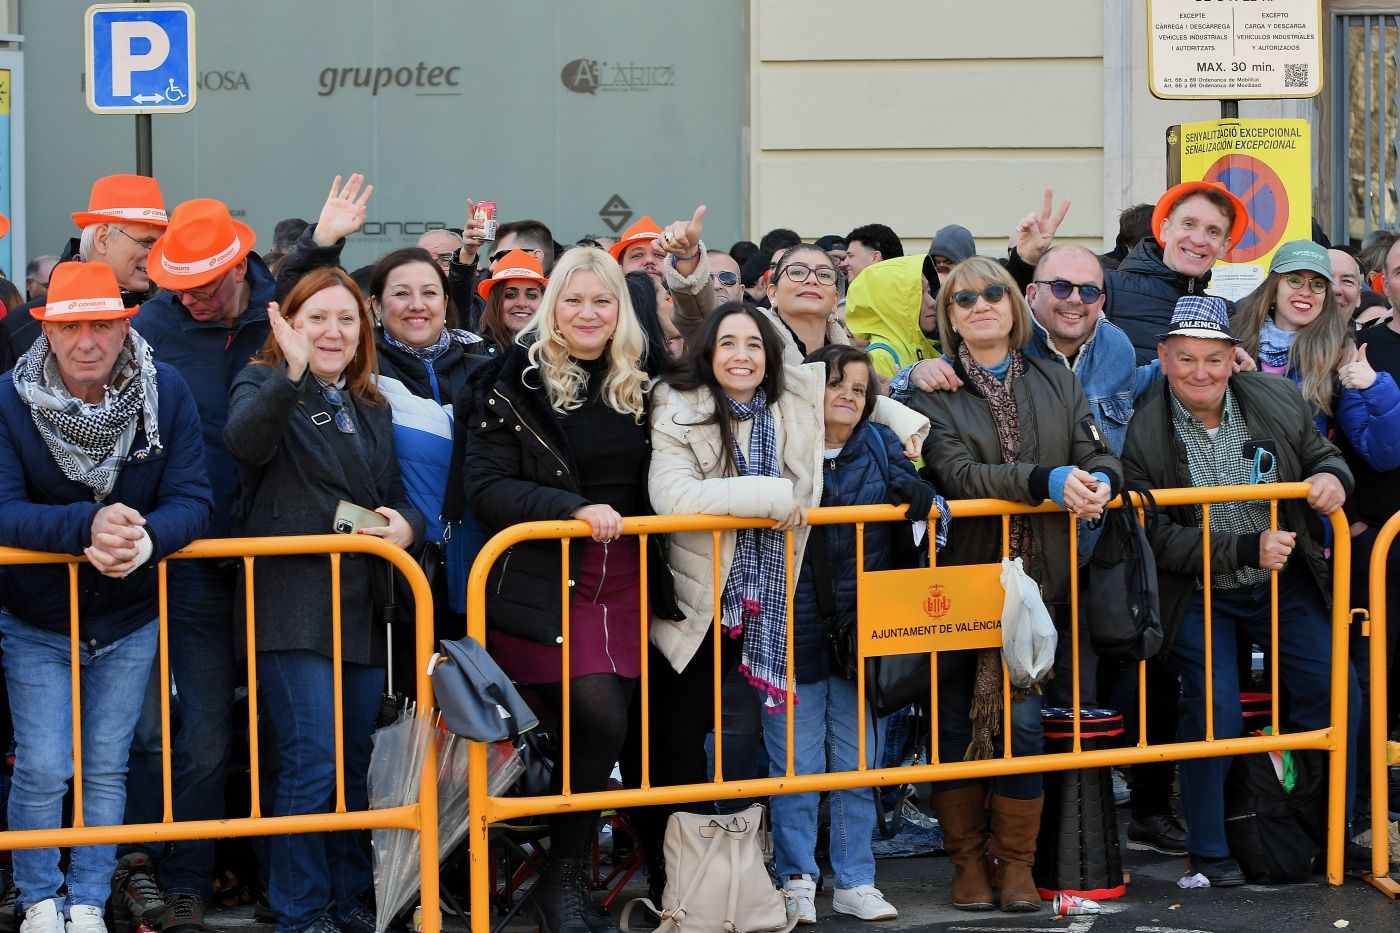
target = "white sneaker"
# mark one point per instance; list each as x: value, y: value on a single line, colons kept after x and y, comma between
x: 864, y: 903
x: 42, y: 918
x: 802, y: 893
x: 84, y: 918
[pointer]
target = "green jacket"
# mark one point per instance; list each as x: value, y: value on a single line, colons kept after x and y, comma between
x: 882, y: 308
x: 1155, y: 458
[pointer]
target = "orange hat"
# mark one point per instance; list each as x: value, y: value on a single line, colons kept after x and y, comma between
x: 516, y: 264
x: 202, y: 242
x: 4, y: 226
x: 1175, y: 193
x: 644, y: 229
x: 83, y: 291
x: 131, y: 199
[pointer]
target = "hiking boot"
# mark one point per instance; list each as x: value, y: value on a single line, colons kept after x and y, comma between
x: 85, y: 918
x: 1220, y: 872
x: 561, y: 902
x: 864, y: 903
x: 1160, y: 832
x: 42, y: 918
x: 184, y: 915
x: 135, y: 894
x: 802, y: 892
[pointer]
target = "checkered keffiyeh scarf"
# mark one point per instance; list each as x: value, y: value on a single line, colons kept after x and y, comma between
x: 89, y: 442
x: 754, y: 602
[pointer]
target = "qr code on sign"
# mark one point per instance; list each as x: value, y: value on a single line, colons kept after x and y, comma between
x: 1295, y: 75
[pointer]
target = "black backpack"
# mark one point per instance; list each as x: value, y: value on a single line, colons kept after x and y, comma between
x: 1275, y: 835
x: 1120, y: 605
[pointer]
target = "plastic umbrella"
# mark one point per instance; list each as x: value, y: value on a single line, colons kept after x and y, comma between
x: 395, y: 770
x: 396, y: 851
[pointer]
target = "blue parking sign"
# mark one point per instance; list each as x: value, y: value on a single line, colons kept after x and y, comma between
x: 140, y: 58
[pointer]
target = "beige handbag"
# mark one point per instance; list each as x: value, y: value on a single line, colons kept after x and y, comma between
x: 716, y: 881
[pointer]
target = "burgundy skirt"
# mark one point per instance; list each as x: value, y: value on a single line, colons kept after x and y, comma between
x: 604, y: 623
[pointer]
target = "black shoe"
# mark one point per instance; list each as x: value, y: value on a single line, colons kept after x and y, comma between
x: 562, y: 904
x: 9, y: 917
x: 322, y: 924
x: 136, y: 897
x: 262, y: 910
x: 1160, y: 832
x: 184, y: 914
x: 1220, y: 872
x: 358, y: 920
x: 1356, y: 858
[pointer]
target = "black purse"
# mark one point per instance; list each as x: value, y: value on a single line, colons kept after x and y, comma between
x: 1120, y: 603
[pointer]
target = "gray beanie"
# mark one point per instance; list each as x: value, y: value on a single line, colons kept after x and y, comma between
x: 953, y: 242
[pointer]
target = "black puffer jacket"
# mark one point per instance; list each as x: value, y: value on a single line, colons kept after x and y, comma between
x: 518, y: 467
x: 1142, y: 293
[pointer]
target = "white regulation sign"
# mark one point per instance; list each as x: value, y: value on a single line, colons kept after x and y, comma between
x: 1233, y: 49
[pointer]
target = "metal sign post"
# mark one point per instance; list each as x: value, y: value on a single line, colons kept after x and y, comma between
x: 140, y: 60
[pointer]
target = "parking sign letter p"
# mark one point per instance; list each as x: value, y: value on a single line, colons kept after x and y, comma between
x: 125, y: 60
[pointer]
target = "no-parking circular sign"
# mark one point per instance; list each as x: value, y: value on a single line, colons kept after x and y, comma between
x: 1264, y: 195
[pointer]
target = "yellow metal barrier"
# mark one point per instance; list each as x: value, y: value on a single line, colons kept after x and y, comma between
x: 1380, y: 749
x: 422, y: 816
x: 486, y: 810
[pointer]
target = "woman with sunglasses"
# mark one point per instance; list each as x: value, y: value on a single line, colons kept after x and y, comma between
x: 1020, y: 429
x: 309, y: 430
x: 1291, y: 326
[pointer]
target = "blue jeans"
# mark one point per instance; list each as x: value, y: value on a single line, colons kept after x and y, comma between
x: 314, y: 873
x: 1305, y: 667
x: 824, y: 722
x: 202, y: 668
x: 38, y: 666
x: 742, y: 729
x: 957, y: 671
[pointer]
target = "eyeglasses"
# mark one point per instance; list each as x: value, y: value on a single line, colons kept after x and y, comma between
x: 343, y: 422
x: 498, y: 256
x: 1063, y: 288
x: 145, y: 243
x: 727, y: 279
x: 797, y: 272
x: 206, y: 293
x: 966, y: 298
x: 444, y: 259
x: 1318, y: 284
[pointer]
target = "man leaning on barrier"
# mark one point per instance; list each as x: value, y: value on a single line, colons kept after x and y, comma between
x: 1205, y: 427
x: 101, y: 456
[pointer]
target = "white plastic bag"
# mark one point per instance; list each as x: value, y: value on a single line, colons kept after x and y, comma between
x: 1027, y: 634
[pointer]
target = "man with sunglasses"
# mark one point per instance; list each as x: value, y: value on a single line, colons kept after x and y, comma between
x: 207, y: 324
x: 124, y: 218
x: 1203, y: 426
x: 724, y: 277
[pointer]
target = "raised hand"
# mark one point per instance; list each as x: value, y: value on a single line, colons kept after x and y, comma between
x: 473, y: 235
x: 296, y: 348
x: 1358, y: 374
x: 344, y: 211
x: 1036, y: 232
x: 682, y: 238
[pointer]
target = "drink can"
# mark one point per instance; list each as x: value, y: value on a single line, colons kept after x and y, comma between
x: 1068, y: 905
x: 486, y: 213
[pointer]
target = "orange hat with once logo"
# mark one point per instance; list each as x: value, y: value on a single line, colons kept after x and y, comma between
x: 133, y: 199
x: 202, y: 242
x: 644, y: 229
x: 1187, y: 188
x: 83, y: 291
x: 516, y: 264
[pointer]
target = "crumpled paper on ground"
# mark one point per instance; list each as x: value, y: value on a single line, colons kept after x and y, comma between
x: 1197, y: 880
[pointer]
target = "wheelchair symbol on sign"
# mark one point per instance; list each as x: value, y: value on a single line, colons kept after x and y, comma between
x: 173, y: 93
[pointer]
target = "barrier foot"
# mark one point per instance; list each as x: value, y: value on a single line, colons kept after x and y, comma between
x: 1386, y: 885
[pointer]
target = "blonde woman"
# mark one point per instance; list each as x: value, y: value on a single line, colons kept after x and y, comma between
x: 557, y: 430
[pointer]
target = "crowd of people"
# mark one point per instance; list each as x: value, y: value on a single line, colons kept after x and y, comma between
x: 166, y: 383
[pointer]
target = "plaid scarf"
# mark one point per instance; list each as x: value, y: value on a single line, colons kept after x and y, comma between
x: 1274, y: 344
x: 89, y: 442
x: 987, y: 707
x: 436, y: 349
x: 754, y: 602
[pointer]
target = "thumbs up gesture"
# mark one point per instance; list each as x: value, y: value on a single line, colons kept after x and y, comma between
x: 1357, y: 374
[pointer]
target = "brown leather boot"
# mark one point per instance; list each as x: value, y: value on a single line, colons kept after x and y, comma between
x: 962, y: 813
x: 1015, y: 826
